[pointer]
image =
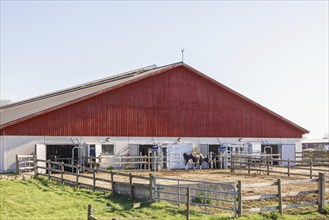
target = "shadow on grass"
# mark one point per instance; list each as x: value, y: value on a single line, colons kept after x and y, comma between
x: 56, y: 187
x: 120, y: 202
x: 122, y: 205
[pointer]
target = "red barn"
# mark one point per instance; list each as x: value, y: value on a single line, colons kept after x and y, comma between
x: 174, y: 107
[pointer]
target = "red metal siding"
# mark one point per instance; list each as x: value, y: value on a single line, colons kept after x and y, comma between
x: 176, y: 103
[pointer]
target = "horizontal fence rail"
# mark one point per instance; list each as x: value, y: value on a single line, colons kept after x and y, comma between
x: 279, y: 184
x: 137, y: 162
x: 56, y: 171
x: 266, y: 165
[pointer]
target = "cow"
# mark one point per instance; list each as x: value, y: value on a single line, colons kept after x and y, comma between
x: 195, y: 159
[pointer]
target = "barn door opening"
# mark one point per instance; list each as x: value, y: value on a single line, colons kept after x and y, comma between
x: 164, y: 157
x: 145, y: 150
x: 62, y: 153
x: 213, y: 152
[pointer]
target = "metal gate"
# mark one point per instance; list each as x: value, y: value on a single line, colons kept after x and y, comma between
x: 24, y: 163
x: 209, y: 195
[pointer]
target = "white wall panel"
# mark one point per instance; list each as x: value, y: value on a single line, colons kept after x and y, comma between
x: 288, y: 152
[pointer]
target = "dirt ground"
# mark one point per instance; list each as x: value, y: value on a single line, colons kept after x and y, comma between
x: 13, y: 176
x: 214, y: 175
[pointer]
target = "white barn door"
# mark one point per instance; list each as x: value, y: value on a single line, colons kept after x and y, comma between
x: 98, y: 151
x: 173, y: 161
x: 40, y: 151
x: 133, y: 150
x: 175, y: 155
x: 288, y: 152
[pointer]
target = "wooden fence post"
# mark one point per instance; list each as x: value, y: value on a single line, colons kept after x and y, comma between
x: 112, y: 182
x: 62, y: 172
x: 90, y: 212
x: 288, y: 167
x: 49, y: 169
x: 321, y: 191
x: 77, y: 174
x: 248, y: 161
x: 94, y: 178
x: 151, y: 186
x: 188, y: 197
x: 149, y: 160
x: 131, y: 186
x: 17, y: 165
x: 268, y: 165
x: 280, y: 196
x: 239, y: 198
x: 311, y: 169
x: 35, y: 165
x: 323, y: 183
x: 260, y: 165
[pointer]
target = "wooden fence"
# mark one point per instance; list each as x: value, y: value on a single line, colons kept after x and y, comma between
x: 52, y: 168
x: 139, y: 162
x: 320, y: 201
x: 152, y: 189
x: 265, y: 165
x: 90, y: 213
x: 316, y: 156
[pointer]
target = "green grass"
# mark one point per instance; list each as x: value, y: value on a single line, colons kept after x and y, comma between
x: 276, y: 216
x: 42, y: 199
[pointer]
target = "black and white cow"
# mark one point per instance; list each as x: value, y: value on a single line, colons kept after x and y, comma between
x: 195, y: 159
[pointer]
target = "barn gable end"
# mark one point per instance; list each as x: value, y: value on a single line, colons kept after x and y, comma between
x: 179, y: 102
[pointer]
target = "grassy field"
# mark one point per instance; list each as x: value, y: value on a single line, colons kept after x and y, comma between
x: 42, y: 199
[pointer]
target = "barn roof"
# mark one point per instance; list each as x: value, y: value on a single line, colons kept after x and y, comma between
x: 26, y: 109
x: 316, y: 141
x: 29, y: 107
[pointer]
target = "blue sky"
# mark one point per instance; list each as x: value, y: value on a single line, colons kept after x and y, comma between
x: 274, y: 52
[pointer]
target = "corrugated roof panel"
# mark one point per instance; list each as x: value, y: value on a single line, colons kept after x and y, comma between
x: 22, y: 109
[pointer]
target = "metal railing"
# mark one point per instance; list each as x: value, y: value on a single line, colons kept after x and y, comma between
x: 209, y: 195
x: 24, y: 163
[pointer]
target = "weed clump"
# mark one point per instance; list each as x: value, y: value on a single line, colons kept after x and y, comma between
x: 271, y: 215
x: 202, y: 199
x: 325, y: 210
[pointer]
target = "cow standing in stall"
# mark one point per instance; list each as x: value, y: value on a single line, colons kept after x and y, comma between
x: 195, y: 159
